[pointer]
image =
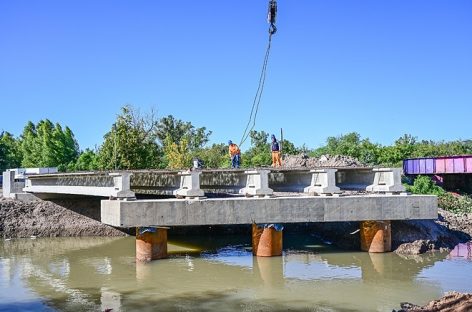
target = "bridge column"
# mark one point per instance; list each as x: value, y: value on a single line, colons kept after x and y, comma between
x: 151, y: 243
x: 376, y: 236
x: 266, y: 241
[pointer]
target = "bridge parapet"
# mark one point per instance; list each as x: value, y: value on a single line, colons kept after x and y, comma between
x: 196, y: 183
x: 114, y: 185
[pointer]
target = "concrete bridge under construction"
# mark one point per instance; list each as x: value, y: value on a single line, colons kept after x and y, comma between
x: 154, y: 200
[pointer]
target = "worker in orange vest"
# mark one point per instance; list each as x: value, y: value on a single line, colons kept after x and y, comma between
x: 276, y: 161
x: 235, y: 154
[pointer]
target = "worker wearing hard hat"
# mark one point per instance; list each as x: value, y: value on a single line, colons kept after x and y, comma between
x: 276, y: 161
x: 235, y: 154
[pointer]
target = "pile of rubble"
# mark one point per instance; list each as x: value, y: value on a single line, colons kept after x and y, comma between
x: 303, y: 161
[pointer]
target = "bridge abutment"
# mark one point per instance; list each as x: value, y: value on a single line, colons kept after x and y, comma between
x: 376, y: 236
x: 266, y: 241
x: 151, y: 243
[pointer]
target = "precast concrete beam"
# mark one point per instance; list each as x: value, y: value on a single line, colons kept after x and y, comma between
x: 323, y: 181
x: 117, y: 185
x: 212, y: 211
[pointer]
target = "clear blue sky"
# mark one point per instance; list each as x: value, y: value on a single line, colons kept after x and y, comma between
x: 381, y: 68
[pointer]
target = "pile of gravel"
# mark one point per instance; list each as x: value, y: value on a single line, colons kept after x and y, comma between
x: 303, y: 161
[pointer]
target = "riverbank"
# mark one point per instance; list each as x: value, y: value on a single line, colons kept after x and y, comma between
x: 453, y: 301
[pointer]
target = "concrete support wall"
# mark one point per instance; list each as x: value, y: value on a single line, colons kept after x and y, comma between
x: 10, y: 185
x: 8, y: 182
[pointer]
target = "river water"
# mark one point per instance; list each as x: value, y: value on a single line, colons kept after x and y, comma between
x: 217, y: 274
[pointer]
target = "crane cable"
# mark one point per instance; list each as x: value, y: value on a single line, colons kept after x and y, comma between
x: 272, y: 13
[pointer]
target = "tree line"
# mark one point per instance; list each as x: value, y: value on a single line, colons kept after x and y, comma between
x: 143, y: 141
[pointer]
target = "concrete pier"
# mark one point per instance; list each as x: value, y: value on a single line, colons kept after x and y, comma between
x: 376, y: 236
x: 266, y: 241
x: 151, y: 243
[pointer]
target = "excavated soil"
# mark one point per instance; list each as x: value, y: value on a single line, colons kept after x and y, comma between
x: 419, y: 236
x: 303, y: 161
x: 49, y: 219
x: 451, y: 302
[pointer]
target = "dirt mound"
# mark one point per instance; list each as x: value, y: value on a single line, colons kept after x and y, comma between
x: 412, y: 237
x: 303, y: 161
x: 48, y: 219
x: 453, y: 301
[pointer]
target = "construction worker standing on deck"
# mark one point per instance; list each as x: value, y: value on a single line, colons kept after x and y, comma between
x: 276, y: 161
x: 235, y: 154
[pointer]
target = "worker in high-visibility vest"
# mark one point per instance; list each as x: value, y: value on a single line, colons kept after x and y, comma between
x: 235, y: 154
x: 276, y: 161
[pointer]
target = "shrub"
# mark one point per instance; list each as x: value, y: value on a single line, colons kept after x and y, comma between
x: 455, y: 203
x: 424, y: 185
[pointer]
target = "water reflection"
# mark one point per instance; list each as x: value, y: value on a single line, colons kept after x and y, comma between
x: 101, y: 273
x: 462, y: 251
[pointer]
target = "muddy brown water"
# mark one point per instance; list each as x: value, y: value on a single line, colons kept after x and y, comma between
x: 219, y: 274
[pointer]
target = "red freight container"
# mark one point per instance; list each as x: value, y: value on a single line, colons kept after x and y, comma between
x: 468, y: 164
x: 440, y: 165
x: 449, y: 165
x: 459, y: 165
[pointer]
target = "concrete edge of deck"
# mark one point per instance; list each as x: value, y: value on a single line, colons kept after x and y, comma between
x: 177, y: 212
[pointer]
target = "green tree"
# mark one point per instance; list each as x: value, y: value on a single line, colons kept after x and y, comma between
x: 352, y: 145
x: 3, y: 157
x: 177, y: 154
x: 215, y: 156
x: 10, y: 154
x: 131, y: 143
x: 87, y: 161
x: 259, y: 153
x: 47, y: 145
x: 175, y: 130
x: 288, y: 148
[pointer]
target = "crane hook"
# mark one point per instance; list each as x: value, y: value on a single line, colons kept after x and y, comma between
x: 271, y: 16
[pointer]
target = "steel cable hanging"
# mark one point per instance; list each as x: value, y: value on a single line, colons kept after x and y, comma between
x: 258, y: 96
x: 272, y: 13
